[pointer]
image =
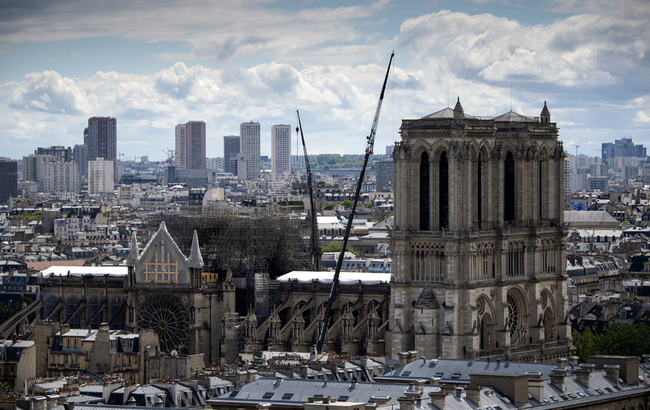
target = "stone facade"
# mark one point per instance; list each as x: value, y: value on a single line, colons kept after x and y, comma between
x: 478, y: 244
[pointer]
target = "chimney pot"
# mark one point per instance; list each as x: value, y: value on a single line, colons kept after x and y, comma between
x: 557, y: 377
x: 561, y: 362
x: 612, y: 371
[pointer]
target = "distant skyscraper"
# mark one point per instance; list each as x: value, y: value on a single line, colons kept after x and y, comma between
x: 385, y: 175
x: 280, y: 149
x: 59, y: 152
x: 8, y: 179
x: 80, y: 155
x: 190, y: 145
x: 230, y: 151
x: 622, y: 148
x: 249, y: 145
x: 180, y: 154
x: 389, y: 149
x: 101, y: 138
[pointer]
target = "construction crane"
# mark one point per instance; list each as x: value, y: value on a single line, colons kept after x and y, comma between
x: 370, y: 142
x: 316, y: 251
x: 170, y: 155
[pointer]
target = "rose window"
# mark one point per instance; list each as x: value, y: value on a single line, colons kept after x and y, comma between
x: 167, y: 316
x: 513, y: 318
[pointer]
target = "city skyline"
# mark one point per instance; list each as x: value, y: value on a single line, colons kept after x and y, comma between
x: 228, y: 63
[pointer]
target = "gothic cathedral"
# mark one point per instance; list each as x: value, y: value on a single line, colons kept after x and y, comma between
x: 478, y: 245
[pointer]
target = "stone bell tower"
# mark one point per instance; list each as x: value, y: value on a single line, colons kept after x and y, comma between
x: 479, y: 266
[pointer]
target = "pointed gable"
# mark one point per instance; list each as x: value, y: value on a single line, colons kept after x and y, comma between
x: 427, y: 299
x: 161, y: 261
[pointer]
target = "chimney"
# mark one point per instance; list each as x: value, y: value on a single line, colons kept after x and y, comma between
x: 251, y: 375
x: 646, y: 358
x: 381, y: 400
x: 65, y: 329
x: 104, y: 327
x: 583, y: 372
x: 612, y: 371
x: 561, y: 362
x: 434, y: 381
x: 574, y: 359
x: 413, y: 354
x: 406, y: 403
x: 536, y: 385
x: 438, y: 399
x: 557, y: 377
x: 403, y: 358
x: 474, y: 394
x: 447, y: 388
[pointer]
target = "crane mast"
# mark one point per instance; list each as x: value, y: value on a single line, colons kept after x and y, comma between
x: 370, y: 142
x: 316, y: 251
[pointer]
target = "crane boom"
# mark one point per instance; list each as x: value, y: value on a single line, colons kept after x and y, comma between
x: 316, y: 251
x: 370, y: 142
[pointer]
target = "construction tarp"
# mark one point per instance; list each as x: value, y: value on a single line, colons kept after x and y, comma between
x: 78, y: 271
x: 345, y: 278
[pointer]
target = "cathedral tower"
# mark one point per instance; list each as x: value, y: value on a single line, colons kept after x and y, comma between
x: 478, y: 246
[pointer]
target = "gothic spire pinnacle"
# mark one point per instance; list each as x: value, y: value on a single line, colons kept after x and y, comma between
x: 132, y: 259
x: 195, y: 260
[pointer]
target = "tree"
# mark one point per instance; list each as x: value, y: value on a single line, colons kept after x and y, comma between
x: 625, y: 340
x: 586, y: 343
x: 347, y: 203
x: 336, y: 247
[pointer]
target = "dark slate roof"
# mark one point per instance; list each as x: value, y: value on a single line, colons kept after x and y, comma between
x: 458, y: 370
x: 512, y: 116
x: 294, y: 392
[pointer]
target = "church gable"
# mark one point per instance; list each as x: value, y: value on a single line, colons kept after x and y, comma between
x: 161, y: 261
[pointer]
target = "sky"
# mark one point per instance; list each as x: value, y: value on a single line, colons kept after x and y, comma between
x: 155, y: 64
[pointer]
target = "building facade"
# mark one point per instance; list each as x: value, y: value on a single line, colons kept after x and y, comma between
x: 180, y: 154
x: 230, y: 150
x: 80, y: 155
x: 385, y: 175
x: 101, y: 138
x: 8, y: 179
x: 190, y: 145
x: 478, y: 244
x: 100, y: 176
x: 249, y: 145
x: 280, y: 150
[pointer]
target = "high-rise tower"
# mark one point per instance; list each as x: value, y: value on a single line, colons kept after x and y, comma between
x: 280, y: 149
x: 478, y: 244
x: 230, y: 151
x: 190, y: 145
x: 249, y: 145
x: 101, y: 138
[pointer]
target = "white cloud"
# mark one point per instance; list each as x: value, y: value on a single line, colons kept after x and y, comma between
x: 48, y: 92
x: 642, y: 117
x: 581, y: 50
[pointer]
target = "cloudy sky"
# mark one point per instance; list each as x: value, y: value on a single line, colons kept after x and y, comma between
x: 154, y: 64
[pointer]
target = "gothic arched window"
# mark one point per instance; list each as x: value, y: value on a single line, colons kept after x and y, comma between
x: 509, y: 189
x: 443, y: 191
x: 424, y: 192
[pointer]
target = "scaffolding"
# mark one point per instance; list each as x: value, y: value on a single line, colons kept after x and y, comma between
x: 255, y: 244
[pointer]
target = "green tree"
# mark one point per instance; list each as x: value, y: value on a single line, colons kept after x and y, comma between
x: 336, y: 247
x: 347, y: 203
x: 329, y: 207
x: 625, y: 340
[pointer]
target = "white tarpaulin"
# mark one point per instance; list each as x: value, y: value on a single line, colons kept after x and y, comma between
x: 345, y: 278
x: 78, y: 271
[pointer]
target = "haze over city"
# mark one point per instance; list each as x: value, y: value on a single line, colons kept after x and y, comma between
x: 153, y: 65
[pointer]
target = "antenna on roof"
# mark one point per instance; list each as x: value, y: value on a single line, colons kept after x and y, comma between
x: 447, y: 94
x: 510, y: 98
